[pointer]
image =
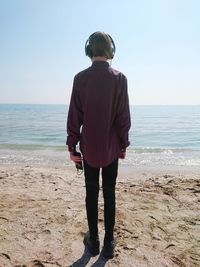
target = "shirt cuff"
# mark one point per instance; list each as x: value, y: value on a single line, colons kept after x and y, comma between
x: 71, y: 148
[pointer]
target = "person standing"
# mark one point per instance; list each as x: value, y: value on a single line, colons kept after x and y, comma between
x: 99, y: 120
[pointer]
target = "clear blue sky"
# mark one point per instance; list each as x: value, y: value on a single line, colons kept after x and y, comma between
x: 42, y: 48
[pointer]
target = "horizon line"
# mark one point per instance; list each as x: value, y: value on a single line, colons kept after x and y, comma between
x: 130, y: 104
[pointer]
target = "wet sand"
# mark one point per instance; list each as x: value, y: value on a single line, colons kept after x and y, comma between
x: 43, y: 219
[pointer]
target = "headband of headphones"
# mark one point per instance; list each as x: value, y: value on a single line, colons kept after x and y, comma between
x: 88, y: 50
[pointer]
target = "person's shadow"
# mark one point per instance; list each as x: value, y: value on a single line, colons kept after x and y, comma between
x: 85, y: 258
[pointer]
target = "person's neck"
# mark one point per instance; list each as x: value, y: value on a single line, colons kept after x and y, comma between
x: 99, y: 59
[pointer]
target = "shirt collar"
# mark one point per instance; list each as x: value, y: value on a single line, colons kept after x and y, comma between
x: 100, y: 64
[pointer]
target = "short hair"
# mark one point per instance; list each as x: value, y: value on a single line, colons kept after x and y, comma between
x: 100, y: 44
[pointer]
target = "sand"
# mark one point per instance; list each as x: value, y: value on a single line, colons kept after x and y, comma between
x: 43, y: 218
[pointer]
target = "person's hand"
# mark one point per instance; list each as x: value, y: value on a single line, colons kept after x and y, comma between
x: 76, y: 157
x: 122, y: 154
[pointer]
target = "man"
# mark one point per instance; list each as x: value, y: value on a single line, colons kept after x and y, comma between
x: 99, y: 118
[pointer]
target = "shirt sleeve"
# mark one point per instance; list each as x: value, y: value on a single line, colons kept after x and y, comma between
x: 123, y: 119
x: 75, y: 117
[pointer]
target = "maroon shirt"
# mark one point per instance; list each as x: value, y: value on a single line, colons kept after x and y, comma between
x: 99, y: 103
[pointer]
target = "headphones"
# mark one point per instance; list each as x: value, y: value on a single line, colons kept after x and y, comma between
x: 88, y: 50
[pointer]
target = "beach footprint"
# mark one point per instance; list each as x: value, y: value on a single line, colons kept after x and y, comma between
x: 34, y: 263
x: 5, y: 260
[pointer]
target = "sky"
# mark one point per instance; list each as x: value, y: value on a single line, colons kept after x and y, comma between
x: 157, y: 47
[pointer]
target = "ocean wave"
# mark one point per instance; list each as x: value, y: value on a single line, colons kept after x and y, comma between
x: 151, y: 150
x: 32, y: 147
x: 135, y: 150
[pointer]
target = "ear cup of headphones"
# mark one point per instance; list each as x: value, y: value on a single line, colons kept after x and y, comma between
x: 113, y: 49
x: 88, y: 50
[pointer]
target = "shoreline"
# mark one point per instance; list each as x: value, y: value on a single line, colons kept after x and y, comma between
x: 176, y: 161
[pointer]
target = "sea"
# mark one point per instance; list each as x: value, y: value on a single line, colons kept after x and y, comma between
x: 160, y: 135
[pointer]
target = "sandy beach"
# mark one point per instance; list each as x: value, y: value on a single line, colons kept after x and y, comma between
x: 43, y: 219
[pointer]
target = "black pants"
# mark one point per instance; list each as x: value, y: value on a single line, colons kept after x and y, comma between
x: 109, y: 175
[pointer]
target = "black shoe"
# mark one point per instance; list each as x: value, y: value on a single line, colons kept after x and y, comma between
x: 92, y: 245
x: 108, y: 250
